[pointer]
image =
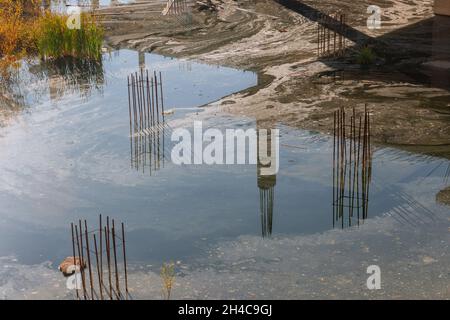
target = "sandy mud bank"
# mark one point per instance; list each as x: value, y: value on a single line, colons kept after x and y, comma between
x: 296, y: 87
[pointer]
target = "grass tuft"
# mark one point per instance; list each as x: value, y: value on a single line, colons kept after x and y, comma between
x: 366, y: 56
x: 27, y: 31
x: 55, y: 40
x: 168, y: 279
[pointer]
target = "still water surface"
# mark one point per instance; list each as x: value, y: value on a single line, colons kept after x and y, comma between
x: 68, y: 157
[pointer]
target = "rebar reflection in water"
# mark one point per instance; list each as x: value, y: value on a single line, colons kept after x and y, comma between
x: 148, y: 127
x: 352, y: 166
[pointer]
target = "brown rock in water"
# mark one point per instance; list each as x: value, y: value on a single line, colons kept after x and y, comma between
x: 444, y: 196
x: 69, y: 265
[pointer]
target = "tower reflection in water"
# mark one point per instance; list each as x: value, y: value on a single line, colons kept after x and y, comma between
x: 266, y: 183
x: 352, y: 167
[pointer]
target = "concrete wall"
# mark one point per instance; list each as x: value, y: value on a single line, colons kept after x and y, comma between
x: 442, y: 7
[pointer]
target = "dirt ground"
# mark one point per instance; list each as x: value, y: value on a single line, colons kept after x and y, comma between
x: 409, y: 109
x: 407, y: 89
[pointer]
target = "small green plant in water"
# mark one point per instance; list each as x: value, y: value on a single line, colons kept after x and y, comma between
x: 168, y: 279
x: 55, y: 39
x: 366, y: 56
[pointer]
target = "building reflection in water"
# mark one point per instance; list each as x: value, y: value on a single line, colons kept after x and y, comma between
x: 266, y: 183
x: 352, y: 167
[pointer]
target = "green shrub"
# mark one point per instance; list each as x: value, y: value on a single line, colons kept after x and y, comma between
x: 366, y: 56
x: 55, y: 40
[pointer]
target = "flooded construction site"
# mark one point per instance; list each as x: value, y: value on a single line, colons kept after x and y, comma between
x: 90, y: 185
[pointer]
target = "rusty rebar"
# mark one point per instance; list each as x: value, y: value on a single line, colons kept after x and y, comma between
x: 101, y: 249
x: 124, y: 259
x: 91, y: 282
x: 156, y: 96
x: 162, y: 96
x: 98, y: 268
x: 80, y: 251
x: 108, y: 256
x: 74, y: 260
x: 115, y: 258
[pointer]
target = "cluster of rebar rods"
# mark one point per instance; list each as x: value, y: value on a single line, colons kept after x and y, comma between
x: 352, y: 165
x: 99, y: 281
x: 176, y: 7
x: 331, y: 35
x: 145, y: 100
x: 181, y: 10
x: 147, y: 120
